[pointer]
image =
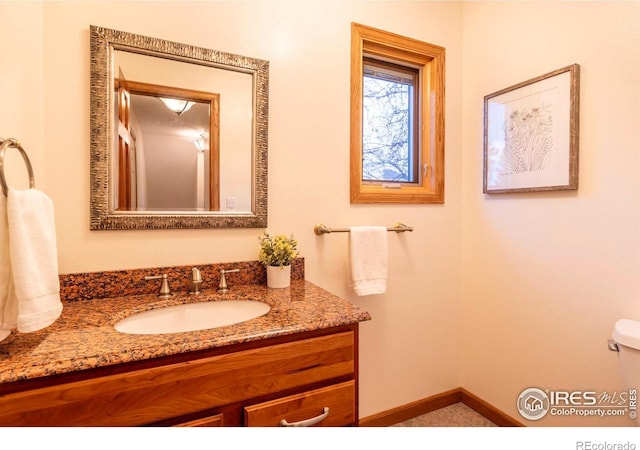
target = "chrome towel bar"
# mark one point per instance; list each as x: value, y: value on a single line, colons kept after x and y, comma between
x: 321, y: 229
x: 4, y: 145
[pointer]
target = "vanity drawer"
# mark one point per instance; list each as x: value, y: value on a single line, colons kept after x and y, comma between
x: 331, y: 406
x: 216, y: 420
x: 151, y: 395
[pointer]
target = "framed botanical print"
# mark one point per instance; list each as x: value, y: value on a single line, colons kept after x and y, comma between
x: 531, y: 134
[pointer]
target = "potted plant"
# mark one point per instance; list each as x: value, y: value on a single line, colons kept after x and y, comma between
x: 276, y: 254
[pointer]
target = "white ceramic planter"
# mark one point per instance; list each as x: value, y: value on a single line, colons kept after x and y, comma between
x: 278, y: 277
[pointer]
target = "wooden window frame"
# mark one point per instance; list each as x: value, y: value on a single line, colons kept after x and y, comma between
x: 429, y: 60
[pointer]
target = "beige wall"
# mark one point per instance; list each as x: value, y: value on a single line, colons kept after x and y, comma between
x: 22, y: 89
x: 545, y: 276
x: 527, y: 286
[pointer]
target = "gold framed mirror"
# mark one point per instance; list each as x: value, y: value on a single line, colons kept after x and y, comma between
x: 202, y: 164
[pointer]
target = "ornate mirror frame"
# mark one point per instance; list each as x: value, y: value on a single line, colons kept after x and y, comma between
x: 103, y: 42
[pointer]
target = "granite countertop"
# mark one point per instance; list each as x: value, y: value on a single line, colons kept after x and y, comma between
x: 84, y: 336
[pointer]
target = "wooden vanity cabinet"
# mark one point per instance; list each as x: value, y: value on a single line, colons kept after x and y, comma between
x: 292, y: 378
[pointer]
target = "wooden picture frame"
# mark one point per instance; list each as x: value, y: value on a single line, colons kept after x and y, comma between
x: 531, y: 134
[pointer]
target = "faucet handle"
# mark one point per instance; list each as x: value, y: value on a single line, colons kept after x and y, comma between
x: 196, y: 281
x: 223, y: 287
x: 165, y: 290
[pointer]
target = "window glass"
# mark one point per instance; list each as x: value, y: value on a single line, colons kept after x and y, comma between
x: 388, y: 123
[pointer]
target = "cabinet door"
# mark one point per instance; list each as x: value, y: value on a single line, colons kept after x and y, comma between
x: 331, y: 406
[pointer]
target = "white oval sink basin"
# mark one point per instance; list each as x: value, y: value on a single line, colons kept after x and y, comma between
x: 192, y: 317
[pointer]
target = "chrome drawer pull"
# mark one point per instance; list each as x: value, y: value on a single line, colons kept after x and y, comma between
x: 307, y: 422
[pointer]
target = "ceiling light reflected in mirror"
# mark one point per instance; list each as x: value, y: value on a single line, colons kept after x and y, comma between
x: 176, y: 105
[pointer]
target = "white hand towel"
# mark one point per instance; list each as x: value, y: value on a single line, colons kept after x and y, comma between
x: 368, y: 252
x: 8, y: 301
x: 34, y: 258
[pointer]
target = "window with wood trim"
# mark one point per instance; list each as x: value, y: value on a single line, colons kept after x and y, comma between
x: 397, y: 118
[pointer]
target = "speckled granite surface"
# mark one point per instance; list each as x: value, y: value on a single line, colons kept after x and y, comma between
x: 118, y: 283
x: 84, y: 336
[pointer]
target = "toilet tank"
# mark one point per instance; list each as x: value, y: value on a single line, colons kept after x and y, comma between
x: 626, y: 333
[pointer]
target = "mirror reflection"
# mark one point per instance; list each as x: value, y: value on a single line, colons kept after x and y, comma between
x: 186, y: 145
x: 170, y: 163
x: 166, y: 165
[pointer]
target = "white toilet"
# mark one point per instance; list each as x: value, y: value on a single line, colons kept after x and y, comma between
x: 626, y: 341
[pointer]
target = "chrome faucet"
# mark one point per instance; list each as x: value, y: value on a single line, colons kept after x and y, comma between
x: 165, y: 290
x: 196, y: 281
x: 223, y: 286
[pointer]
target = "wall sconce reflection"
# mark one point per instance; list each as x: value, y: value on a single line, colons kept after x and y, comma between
x: 199, y: 143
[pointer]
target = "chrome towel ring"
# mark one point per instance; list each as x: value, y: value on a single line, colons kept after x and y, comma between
x: 4, y: 145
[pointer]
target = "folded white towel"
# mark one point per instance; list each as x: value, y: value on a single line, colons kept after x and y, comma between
x: 8, y: 302
x: 33, y: 260
x: 368, y: 254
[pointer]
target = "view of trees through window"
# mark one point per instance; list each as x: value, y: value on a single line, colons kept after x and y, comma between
x: 388, y: 124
